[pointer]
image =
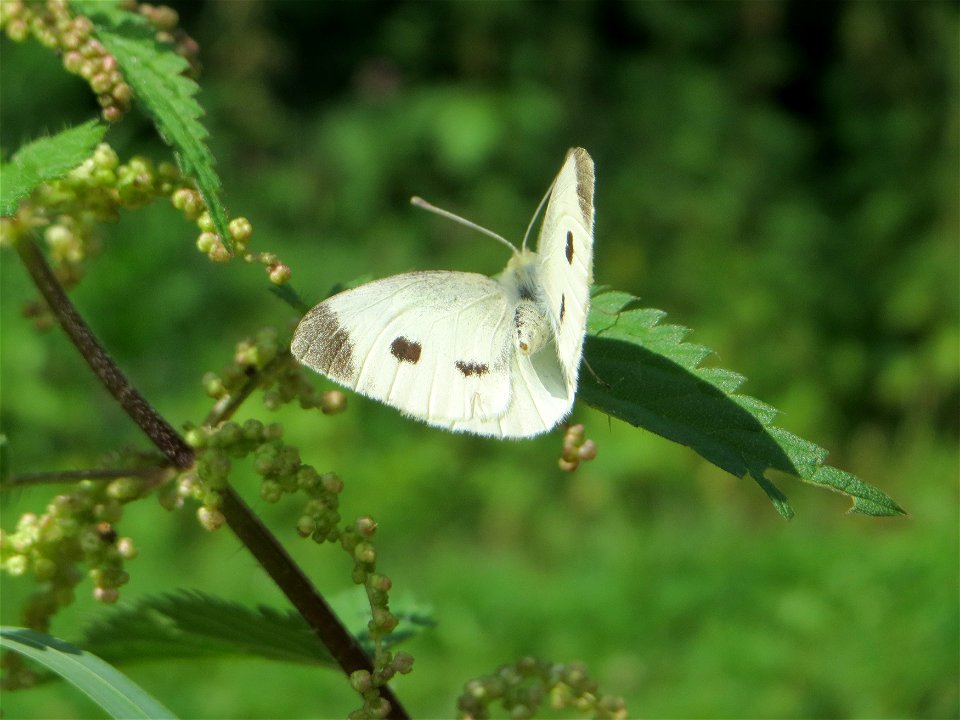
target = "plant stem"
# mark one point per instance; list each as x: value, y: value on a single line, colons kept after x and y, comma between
x: 167, y: 440
x: 245, y: 524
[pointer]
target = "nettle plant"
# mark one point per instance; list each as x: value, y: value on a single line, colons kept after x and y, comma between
x: 56, y: 192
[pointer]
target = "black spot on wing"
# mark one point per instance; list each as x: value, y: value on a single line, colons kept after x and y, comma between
x: 472, y: 368
x: 569, y: 250
x: 563, y: 306
x: 405, y: 350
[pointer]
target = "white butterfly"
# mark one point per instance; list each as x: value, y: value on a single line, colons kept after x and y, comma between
x: 466, y: 352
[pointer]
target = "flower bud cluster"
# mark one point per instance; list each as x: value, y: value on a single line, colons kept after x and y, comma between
x: 69, y: 208
x: 53, y: 26
x: 576, y: 448
x: 250, y: 357
x: 78, y: 528
x: 368, y: 685
x: 165, y: 20
x: 524, y: 686
x: 278, y: 464
x: 190, y: 202
x: 292, y: 383
x: 357, y: 541
x: 281, y: 384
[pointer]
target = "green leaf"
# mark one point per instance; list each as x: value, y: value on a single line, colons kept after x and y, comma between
x: 644, y: 373
x: 46, y: 159
x: 155, y: 72
x: 110, y: 689
x: 193, y: 624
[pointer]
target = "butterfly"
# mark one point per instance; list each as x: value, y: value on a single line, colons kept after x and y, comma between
x: 465, y: 352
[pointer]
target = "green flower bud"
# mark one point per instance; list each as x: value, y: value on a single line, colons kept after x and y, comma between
x: 210, y: 519
x: 122, y: 94
x: 205, y: 222
x: 107, y: 596
x: 253, y: 429
x: 126, y: 549
x: 44, y: 569
x: 240, y: 230
x: 213, y: 385
x: 365, y: 553
x: 306, y: 526
x: 403, y: 663
x: 378, y: 707
x: 112, y: 114
x: 16, y: 565
x: 366, y: 526
x: 270, y: 491
x: 332, y: 483
x: 219, y: 253
x: 17, y: 30
x: 124, y: 488
x: 383, y: 621
x: 100, y: 83
x: 73, y: 61
x: 333, y: 402
x: 279, y: 274
x: 361, y: 681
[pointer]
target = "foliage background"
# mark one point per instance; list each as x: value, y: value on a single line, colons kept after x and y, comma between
x: 779, y: 176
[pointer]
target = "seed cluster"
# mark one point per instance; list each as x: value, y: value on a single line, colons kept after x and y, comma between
x: 53, y: 26
x: 525, y: 685
x: 283, y: 473
x: 576, y: 448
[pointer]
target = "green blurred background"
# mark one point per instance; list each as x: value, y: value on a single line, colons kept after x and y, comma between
x: 780, y: 176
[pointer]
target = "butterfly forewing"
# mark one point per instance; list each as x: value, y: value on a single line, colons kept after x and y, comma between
x: 435, y: 345
x: 565, y: 248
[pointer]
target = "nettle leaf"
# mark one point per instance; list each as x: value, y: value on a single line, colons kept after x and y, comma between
x: 113, y: 691
x: 155, y: 72
x: 193, y: 624
x: 46, y: 159
x: 648, y: 376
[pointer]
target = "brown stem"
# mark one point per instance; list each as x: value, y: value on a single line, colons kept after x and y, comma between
x: 244, y: 523
x: 167, y: 440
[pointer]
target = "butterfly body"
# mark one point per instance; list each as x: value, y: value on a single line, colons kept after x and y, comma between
x: 463, y: 351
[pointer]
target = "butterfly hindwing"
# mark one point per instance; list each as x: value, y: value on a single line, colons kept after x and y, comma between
x: 565, y: 248
x: 435, y: 345
x: 539, y: 398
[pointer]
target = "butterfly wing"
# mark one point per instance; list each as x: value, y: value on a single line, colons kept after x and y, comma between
x: 539, y: 398
x: 565, y: 248
x: 435, y: 345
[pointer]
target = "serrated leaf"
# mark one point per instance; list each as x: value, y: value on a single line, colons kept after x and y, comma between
x: 155, y: 73
x: 105, y: 685
x: 648, y: 376
x: 46, y: 159
x: 193, y: 624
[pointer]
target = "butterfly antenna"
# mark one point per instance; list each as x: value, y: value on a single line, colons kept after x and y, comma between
x: 536, y: 213
x: 423, y: 204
